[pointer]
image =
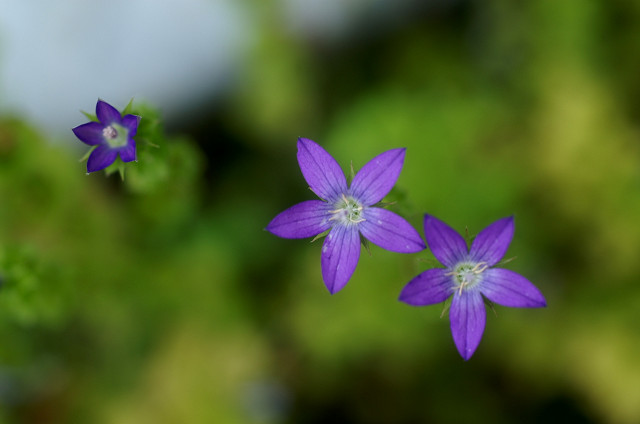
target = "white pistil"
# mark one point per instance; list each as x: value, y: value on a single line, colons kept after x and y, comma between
x: 115, y: 135
x: 109, y: 132
x: 348, y: 211
x: 465, y: 275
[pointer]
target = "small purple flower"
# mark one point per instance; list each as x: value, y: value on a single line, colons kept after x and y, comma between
x: 347, y: 211
x: 113, y: 135
x: 468, y: 276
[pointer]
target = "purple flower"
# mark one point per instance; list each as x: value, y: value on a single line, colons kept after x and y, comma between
x: 347, y: 211
x: 468, y: 276
x: 113, y: 135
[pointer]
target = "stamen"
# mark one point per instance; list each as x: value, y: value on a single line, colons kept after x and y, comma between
x: 348, y: 211
x: 480, y: 266
x: 109, y: 132
x: 467, y: 274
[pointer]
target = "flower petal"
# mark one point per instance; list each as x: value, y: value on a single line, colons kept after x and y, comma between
x: 492, y: 243
x: 340, y: 254
x: 131, y: 123
x: 431, y: 286
x: 100, y: 158
x: 320, y: 170
x: 445, y: 243
x: 90, y: 133
x: 107, y: 113
x: 377, y: 177
x: 390, y: 231
x: 128, y: 152
x: 468, y: 317
x: 509, y: 288
x: 306, y: 219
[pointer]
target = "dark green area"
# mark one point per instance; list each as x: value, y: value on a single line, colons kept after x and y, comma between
x: 161, y: 299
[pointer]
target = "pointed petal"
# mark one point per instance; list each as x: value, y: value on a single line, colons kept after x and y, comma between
x: 509, y: 288
x: 131, y: 123
x: 390, y: 231
x: 107, y: 113
x: 306, y: 219
x: 320, y: 170
x: 377, y: 177
x: 128, y: 153
x: 445, y: 243
x: 340, y: 254
x: 428, y: 288
x: 468, y: 318
x: 492, y: 243
x: 100, y: 158
x: 90, y: 133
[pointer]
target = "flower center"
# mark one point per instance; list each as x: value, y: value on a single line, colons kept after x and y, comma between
x: 466, y: 275
x: 109, y: 132
x: 115, y: 135
x: 347, y: 211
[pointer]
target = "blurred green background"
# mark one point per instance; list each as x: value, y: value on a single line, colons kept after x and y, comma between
x: 161, y: 299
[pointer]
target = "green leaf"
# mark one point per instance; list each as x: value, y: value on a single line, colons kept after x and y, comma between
x: 128, y: 108
x: 90, y: 116
x: 86, y: 155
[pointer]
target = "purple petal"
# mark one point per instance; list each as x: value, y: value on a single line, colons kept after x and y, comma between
x: 445, y: 243
x: 131, y: 123
x: 320, y: 170
x: 428, y: 288
x: 128, y: 153
x: 90, y: 133
x: 492, y: 243
x: 100, y: 158
x: 468, y: 318
x: 509, y: 288
x: 390, y: 231
x: 377, y: 177
x: 340, y: 254
x: 107, y: 113
x: 306, y: 219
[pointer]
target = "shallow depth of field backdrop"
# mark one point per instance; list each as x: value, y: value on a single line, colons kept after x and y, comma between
x: 161, y: 299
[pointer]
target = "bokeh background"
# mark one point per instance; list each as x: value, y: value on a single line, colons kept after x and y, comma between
x: 161, y: 299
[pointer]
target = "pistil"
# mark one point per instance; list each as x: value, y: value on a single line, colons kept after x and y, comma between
x: 348, y: 210
x: 467, y: 275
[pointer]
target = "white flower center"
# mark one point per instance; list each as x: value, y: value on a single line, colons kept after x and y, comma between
x: 466, y: 275
x: 347, y: 211
x: 109, y: 132
x: 115, y: 135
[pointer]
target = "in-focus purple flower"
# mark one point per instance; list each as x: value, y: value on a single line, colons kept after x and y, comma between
x: 113, y: 136
x: 469, y: 278
x: 347, y: 211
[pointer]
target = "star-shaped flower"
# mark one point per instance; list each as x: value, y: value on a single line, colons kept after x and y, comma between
x: 348, y: 211
x: 113, y: 135
x: 469, y: 278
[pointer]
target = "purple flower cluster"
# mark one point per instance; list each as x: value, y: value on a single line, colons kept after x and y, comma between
x: 351, y: 212
x: 112, y: 136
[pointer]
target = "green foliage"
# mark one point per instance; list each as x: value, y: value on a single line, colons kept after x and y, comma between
x: 28, y: 296
x: 161, y: 299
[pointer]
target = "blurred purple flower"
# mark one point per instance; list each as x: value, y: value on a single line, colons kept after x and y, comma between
x: 468, y: 276
x: 113, y: 135
x: 346, y: 211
